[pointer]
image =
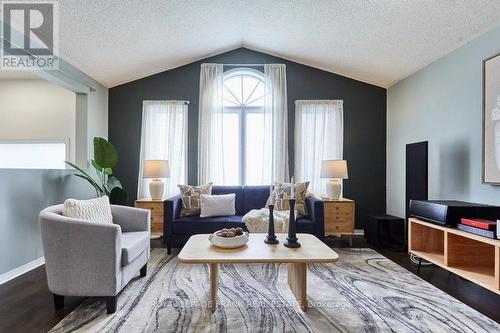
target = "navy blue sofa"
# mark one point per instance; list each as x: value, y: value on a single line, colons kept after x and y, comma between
x: 177, y: 230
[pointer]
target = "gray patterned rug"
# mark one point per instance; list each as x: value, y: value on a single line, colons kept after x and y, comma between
x: 362, y: 292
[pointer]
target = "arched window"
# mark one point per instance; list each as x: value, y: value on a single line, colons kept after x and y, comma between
x: 243, y: 87
x: 244, y: 121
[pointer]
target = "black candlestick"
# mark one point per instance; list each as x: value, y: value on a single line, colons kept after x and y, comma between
x: 291, y: 240
x: 271, y: 237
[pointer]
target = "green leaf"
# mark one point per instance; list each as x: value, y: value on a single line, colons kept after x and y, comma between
x: 96, y: 166
x: 85, y: 176
x: 118, y: 196
x: 91, y: 181
x: 105, y: 153
x: 107, y: 171
x: 114, y: 182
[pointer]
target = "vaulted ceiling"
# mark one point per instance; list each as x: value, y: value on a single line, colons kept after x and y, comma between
x: 378, y: 41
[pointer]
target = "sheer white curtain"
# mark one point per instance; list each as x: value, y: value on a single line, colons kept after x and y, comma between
x: 319, y: 135
x: 211, y: 134
x: 164, y: 137
x: 211, y: 125
x: 275, y: 166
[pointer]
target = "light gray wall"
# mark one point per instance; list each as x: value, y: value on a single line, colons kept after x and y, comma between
x: 35, y: 109
x: 23, y: 193
x: 442, y: 104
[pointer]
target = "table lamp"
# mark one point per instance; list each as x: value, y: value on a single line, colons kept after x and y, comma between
x: 156, y: 169
x: 335, y: 170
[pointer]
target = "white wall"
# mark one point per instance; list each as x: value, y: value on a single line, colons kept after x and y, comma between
x: 37, y: 110
x: 442, y: 104
x: 24, y: 193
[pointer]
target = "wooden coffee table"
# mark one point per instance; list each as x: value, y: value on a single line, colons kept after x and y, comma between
x: 199, y: 250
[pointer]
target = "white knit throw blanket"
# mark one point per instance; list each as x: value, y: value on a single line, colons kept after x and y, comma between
x: 257, y: 220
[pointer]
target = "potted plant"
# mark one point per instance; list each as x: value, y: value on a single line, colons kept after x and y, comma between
x: 105, y: 159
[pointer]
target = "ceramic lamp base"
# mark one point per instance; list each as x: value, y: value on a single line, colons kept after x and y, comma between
x: 156, y: 188
x: 333, y: 189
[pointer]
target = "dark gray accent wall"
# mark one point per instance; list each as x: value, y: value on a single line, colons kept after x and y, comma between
x: 364, y: 121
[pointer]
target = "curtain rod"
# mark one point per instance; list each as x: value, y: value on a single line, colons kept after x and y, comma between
x: 242, y: 65
x: 165, y: 101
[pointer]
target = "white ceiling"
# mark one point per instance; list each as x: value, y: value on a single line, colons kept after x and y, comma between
x: 378, y: 41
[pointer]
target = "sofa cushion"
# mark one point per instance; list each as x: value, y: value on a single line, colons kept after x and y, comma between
x: 190, y: 197
x: 282, y: 192
x: 217, y: 205
x: 254, y: 197
x: 133, y: 244
x: 305, y: 225
x: 238, y: 201
x: 197, y: 225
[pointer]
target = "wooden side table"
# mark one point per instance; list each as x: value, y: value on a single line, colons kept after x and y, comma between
x: 339, y: 217
x: 156, y: 208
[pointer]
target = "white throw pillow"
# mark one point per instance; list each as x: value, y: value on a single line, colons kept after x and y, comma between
x: 217, y: 205
x: 93, y: 210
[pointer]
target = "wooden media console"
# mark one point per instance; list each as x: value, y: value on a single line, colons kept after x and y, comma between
x: 473, y: 257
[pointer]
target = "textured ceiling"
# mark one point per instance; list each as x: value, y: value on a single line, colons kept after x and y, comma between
x: 380, y: 42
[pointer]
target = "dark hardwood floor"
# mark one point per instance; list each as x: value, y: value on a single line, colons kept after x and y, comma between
x: 476, y: 297
x: 26, y: 305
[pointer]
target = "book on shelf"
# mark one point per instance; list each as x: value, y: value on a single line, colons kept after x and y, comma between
x: 479, y: 223
x: 476, y: 231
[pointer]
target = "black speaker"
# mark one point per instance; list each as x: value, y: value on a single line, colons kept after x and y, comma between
x: 416, y: 175
x: 385, y: 231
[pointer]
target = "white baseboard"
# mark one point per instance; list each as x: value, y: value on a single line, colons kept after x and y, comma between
x: 21, y: 270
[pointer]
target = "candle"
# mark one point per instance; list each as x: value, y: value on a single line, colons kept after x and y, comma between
x: 293, y: 187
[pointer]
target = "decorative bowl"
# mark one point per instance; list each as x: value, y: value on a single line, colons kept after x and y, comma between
x: 229, y: 242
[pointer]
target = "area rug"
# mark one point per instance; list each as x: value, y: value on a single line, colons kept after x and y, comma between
x: 362, y: 292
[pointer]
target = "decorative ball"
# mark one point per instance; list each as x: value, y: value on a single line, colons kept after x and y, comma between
x: 229, y: 232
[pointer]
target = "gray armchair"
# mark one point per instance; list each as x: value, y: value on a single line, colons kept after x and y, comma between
x: 94, y: 259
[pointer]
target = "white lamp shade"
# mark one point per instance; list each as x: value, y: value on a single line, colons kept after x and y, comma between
x: 334, y: 169
x: 156, y: 169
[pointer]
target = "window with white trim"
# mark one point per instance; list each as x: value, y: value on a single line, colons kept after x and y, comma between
x: 243, y: 127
